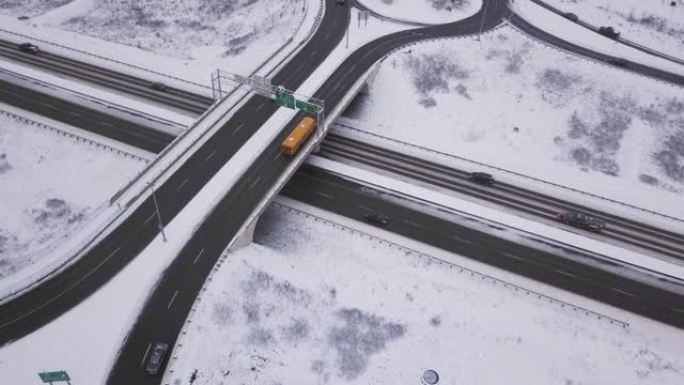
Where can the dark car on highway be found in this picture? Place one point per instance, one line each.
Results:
(159, 86)
(609, 32)
(481, 178)
(618, 62)
(571, 16)
(157, 358)
(376, 219)
(28, 47)
(582, 221)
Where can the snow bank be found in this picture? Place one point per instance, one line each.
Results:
(515, 104)
(315, 302)
(653, 23)
(52, 185)
(567, 30)
(185, 39)
(424, 11)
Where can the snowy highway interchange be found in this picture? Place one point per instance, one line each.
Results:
(155, 230)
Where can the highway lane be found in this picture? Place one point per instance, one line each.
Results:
(184, 278)
(53, 297)
(106, 78)
(91, 120)
(620, 40)
(623, 230)
(579, 274)
(538, 33)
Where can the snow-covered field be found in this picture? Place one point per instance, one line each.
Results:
(513, 103)
(50, 186)
(311, 303)
(653, 23)
(424, 11)
(188, 39)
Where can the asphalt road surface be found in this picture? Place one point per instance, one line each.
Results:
(620, 40)
(652, 72)
(106, 78)
(332, 193)
(84, 117)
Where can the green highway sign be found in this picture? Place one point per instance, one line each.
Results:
(284, 98)
(306, 106)
(50, 377)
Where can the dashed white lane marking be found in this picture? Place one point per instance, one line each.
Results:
(150, 217)
(210, 156)
(622, 292)
(260, 107)
(255, 182)
(512, 256)
(413, 224)
(172, 299)
(321, 193)
(452, 236)
(198, 256)
(235, 131)
(142, 362)
(565, 273)
(180, 186)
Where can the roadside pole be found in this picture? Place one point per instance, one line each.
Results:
(160, 224)
(484, 16)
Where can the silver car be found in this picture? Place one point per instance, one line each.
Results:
(157, 358)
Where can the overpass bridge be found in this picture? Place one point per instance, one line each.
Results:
(225, 136)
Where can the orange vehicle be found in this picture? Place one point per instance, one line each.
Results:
(298, 136)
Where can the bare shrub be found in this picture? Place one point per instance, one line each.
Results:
(360, 336)
(671, 158)
(448, 5)
(431, 74)
(4, 164)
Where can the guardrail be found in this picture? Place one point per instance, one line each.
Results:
(12, 290)
(78, 138)
(622, 40)
(452, 265)
(65, 90)
(481, 164)
(179, 138)
(82, 52)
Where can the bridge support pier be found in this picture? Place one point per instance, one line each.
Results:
(245, 238)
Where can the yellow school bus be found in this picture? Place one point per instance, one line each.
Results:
(298, 136)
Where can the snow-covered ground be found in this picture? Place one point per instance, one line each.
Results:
(186, 39)
(653, 23)
(50, 186)
(315, 303)
(513, 103)
(424, 11)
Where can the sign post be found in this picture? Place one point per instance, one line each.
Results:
(284, 98)
(50, 377)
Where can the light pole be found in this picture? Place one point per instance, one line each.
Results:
(347, 44)
(156, 208)
(484, 15)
